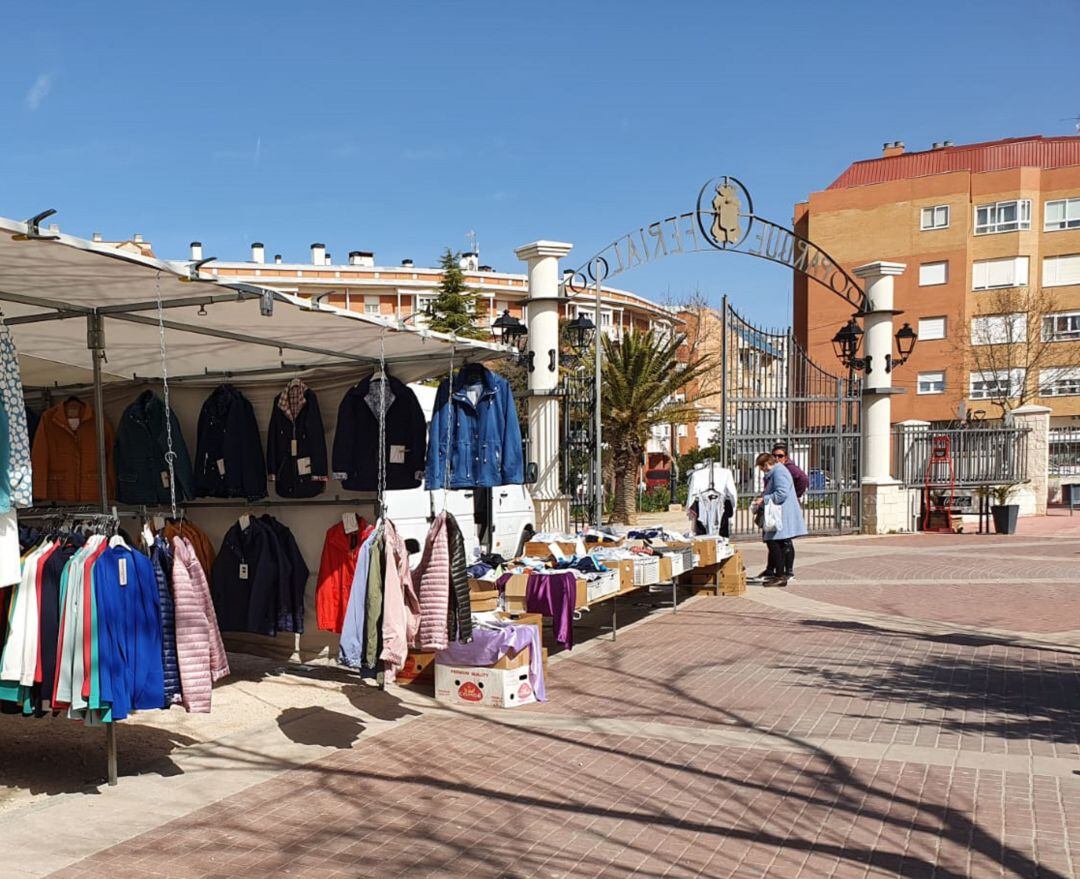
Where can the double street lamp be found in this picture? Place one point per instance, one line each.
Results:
(848, 341)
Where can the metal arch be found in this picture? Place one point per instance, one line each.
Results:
(648, 243)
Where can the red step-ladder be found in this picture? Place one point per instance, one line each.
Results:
(939, 486)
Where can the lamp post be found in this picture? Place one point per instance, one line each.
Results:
(508, 330)
(848, 341)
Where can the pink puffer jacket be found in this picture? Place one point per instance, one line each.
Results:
(432, 581)
(401, 609)
(199, 649)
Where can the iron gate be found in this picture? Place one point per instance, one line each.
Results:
(578, 448)
(773, 392)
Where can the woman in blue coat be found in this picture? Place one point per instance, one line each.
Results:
(780, 490)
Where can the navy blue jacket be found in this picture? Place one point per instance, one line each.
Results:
(161, 559)
(229, 453)
(141, 444)
(356, 440)
(478, 425)
(283, 461)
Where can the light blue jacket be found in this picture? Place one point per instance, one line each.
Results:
(476, 429)
(780, 489)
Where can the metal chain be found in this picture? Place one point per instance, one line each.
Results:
(449, 424)
(170, 454)
(382, 426)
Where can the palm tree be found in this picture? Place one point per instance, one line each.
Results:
(642, 376)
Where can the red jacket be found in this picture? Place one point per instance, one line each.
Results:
(336, 570)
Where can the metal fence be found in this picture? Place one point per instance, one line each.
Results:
(1064, 451)
(976, 456)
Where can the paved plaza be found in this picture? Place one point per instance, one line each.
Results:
(909, 706)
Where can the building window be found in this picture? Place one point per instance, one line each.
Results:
(933, 273)
(423, 301)
(931, 329)
(931, 383)
(999, 329)
(1003, 216)
(1062, 326)
(995, 384)
(1061, 271)
(371, 305)
(936, 217)
(989, 274)
(1062, 213)
(1061, 381)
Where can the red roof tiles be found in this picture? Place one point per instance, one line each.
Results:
(996, 155)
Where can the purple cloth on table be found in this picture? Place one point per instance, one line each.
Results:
(488, 646)
(554, 595)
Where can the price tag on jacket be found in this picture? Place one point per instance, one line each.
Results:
(397, 454)
(245, 521)
(303, 466)
(159, 522)
(123, 572)
(293, 448)
(221, 466)
(243, 571)
(147, 536)
(348, 520)
(164, 478)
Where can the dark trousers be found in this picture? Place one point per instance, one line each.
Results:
(781, 557)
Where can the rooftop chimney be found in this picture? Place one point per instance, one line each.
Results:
(892, 148)
(329, 261)
(196, 251)
(408, 263)
(257, 253)
(470, 261)
(318, 254)
(137, 237)
(277, 259)
(361, 258)
(948, 143)
(96, 236)
(486, 269)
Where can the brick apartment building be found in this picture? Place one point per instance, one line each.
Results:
(969, 221)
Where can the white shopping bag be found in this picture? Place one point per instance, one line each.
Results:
(774, 516)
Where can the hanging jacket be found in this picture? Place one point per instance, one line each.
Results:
(5, 460)
(354, 622)
(337, 567)
(229, 454)
(200, 542)
(432, 581)
(65, 455)
(201, 654)
(459, 619)
(356, 438)
(401, 608)
(247, 580)
(142, 474)
(296, 443)
(161, 560)
(20, 482)
(293, 578)
(475, 429)
(129, 632)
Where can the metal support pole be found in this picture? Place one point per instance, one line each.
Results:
(598, 499)
(724, 461)
(675, 594)
(614, 616)
(95, 341)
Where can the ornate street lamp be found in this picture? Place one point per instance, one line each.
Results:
(848, 341)
(580, 333)
(906, 338)
(508, 330)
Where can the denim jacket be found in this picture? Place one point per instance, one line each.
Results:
(478, 424)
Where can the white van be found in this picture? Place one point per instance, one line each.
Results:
(501, 518)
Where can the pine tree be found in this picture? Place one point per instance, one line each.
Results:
(454, 309)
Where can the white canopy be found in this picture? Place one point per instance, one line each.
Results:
(51, 283)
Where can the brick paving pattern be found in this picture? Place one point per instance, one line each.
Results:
(733, 739)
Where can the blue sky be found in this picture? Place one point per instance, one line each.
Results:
(399, 127)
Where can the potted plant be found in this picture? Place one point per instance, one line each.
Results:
(1004, 513)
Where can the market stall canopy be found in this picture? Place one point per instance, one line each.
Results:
(50, 283)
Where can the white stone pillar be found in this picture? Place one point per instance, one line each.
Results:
(884, 504)
(1038, 452)
(542, 258)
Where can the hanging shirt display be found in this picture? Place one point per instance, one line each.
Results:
(19, 479)
(356, 448)
(296, 443)
(258, 579)
(475, 432)
(229, 459)
(711, 499)
(142, 473)
(65, 454)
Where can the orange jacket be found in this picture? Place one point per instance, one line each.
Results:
(64, 456)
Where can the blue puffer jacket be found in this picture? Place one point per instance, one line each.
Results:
(479, 421)
(161, 559)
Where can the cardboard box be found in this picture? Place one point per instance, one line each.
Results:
(705, 550)
(483, 585)
(484, 687)
(483, 605)
(518, 583)
(419, 668)
(666, 569)
(603, 586)
(541, 549)
(646, 570)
